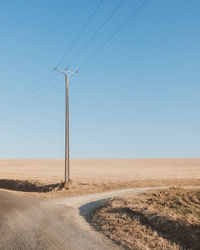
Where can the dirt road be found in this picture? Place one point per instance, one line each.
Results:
(29, 223)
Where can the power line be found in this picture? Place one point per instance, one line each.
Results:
(16, 108)
(81, 31)
(16, 104)
(13, 101)
(33, 99)
(37, 86)
(30, 89)
(114, 33)
(96, 33)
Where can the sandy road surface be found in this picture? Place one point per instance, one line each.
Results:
(28, 223)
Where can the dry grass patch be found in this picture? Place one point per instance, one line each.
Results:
(165, 219)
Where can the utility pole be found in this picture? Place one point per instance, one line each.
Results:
(66, 73)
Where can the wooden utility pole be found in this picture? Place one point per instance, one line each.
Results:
(67, 168)
(67, 73)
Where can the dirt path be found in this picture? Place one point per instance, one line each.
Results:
(28, 223)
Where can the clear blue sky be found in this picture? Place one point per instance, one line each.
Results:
(137, 98)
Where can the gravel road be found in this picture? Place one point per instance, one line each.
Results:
(30, 223)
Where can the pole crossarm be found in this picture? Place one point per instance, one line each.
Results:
(66, 71)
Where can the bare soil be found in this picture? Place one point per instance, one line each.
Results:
(163, 219)
(44, 177)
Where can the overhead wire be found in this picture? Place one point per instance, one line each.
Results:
(15, 106)
(31, 90)
(135, 12)
(96, 33)
(37, 83)
(80, 33)
(27, 102)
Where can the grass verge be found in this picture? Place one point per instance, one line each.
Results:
(164, 219)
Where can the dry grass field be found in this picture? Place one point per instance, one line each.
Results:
(96, 175)
(165, 219)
